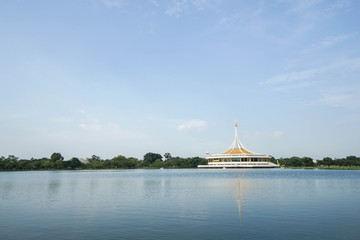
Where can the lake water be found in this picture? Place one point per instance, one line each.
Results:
(180, 204)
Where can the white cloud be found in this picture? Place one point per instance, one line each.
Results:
(192, 124)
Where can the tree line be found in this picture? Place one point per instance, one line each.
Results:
(150, 160)
(57, 162)
(349, 161)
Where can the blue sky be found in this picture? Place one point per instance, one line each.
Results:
(110, 77)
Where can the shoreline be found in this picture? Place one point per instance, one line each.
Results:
(327, 168)
(307, 168)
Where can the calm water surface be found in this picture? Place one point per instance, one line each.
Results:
(180, 204)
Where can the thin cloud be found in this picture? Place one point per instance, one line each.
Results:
(192, 124)
(331, 40)
(348, 100)
(340, 69)
(91, 126)
(335, 6)
(278, 134)
(291, 77)
(61, 120)
(304, 5)
(179, 7)
(200, 4)
(312, 10)
(113, 3)
(154, 2)
(90, 122)
(264, 135)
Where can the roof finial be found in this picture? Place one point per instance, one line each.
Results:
(235, 124)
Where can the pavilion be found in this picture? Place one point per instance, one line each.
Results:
(237, 156)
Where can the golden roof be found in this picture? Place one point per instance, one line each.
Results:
(237, 151)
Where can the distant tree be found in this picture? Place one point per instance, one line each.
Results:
(12, 158)
(56, 157)
(74, 163)
(118, 162)
(123, 162)
(327, 161)
(178, 162)
(59, 164)
(95, 162)
(167, 156)
(351, 158)
(308, 162)
(95, 158)
(152, 157)
(158, 163)
(46, 163)
(2, 163)
(295, 162)
(22, 165)
(35, 164)
(144, 164)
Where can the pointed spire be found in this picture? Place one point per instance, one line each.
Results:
(236, 147)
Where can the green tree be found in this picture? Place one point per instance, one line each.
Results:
(10, 163)
(74, 163)
(46, 163)
(95, 162)
(167, 156)
(2, 163)
(308, 162)
(56, 156)
(327, 161)
(22, 165)
(95, 158)
(12, 158)
(59, 164)
(118, 162)
(123, 162)
(35, 164)
(157, 164)
(144, 164)
(152, 157)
